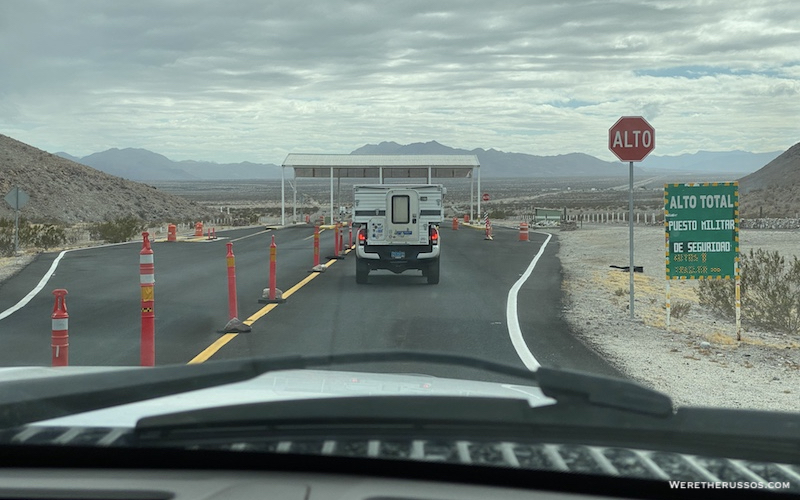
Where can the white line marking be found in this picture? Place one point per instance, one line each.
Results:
(251, 235)
(42, 282)
(514, 330)
(309, 237)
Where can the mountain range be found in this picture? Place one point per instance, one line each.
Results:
(63, 191)
(496, 163)
(144, 165)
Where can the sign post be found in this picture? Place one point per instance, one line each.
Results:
(701, 223)
(631, 138)
(17, 199)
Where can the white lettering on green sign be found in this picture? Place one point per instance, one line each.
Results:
(682, 225)
(708, 201)
(708, 246)
(681, 202)
(718, 224)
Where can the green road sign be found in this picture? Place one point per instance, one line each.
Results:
(701, 221)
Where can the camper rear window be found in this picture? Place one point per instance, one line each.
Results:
(401, 209)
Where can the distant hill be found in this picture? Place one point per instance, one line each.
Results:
(61, 190)
(496, 163)
(742, 162)
(144, 165)
(774, 190)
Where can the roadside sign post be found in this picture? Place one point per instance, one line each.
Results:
(631, 139)
(701, 223)
(17, 199)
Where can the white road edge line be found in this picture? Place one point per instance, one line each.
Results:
(42, 282)
(514, 330)
(251, 235)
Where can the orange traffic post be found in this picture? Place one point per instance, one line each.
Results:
(233, 303)
(272, 295)
(273, 261)
(213, 233)
(172, 232)
(455, 223)
(488, 229)
(316, 245)
(336, 243)
(523, 231)
(317, 268)
(341, 240)
(233, 324)
(147, 284)
(349, 235)
(59, 341)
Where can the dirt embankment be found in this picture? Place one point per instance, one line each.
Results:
(697, 360)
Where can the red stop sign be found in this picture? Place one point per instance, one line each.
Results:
(631, 138)
(485, 196)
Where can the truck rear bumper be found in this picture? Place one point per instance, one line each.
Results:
(380, 257)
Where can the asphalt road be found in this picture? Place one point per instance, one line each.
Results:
(466, 313)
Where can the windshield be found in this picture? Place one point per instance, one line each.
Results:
(608, 189)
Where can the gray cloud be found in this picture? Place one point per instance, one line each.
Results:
(253, 80)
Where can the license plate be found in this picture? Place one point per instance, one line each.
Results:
(398, 255)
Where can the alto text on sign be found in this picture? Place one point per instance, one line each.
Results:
(631, 138)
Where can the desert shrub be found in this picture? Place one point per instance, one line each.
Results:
(118, 230)
(30, 235)
(680, 309)
(49, 236)
(770, 292)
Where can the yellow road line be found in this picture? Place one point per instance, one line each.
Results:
(213, 348)
(222, 341)
(255, 317)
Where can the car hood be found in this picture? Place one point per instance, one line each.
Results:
(275, 386)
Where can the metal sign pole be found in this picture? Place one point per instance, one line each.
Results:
(16, 228)
(630, 235)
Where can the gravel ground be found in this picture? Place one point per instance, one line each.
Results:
(9, 266)
(697, 361)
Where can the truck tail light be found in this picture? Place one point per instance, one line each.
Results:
(362, 236)
(434, 236)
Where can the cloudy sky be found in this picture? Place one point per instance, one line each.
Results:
(254, 80)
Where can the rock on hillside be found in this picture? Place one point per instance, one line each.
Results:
(64, 191)
(773, 190)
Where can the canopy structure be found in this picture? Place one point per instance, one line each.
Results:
(379, 167)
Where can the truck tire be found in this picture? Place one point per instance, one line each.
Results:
(362, 271)
(433, 272)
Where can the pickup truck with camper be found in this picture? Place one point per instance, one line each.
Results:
(398, 228)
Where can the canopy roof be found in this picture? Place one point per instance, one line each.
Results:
(381, 166)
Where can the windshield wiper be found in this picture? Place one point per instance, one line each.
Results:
(25, 401)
